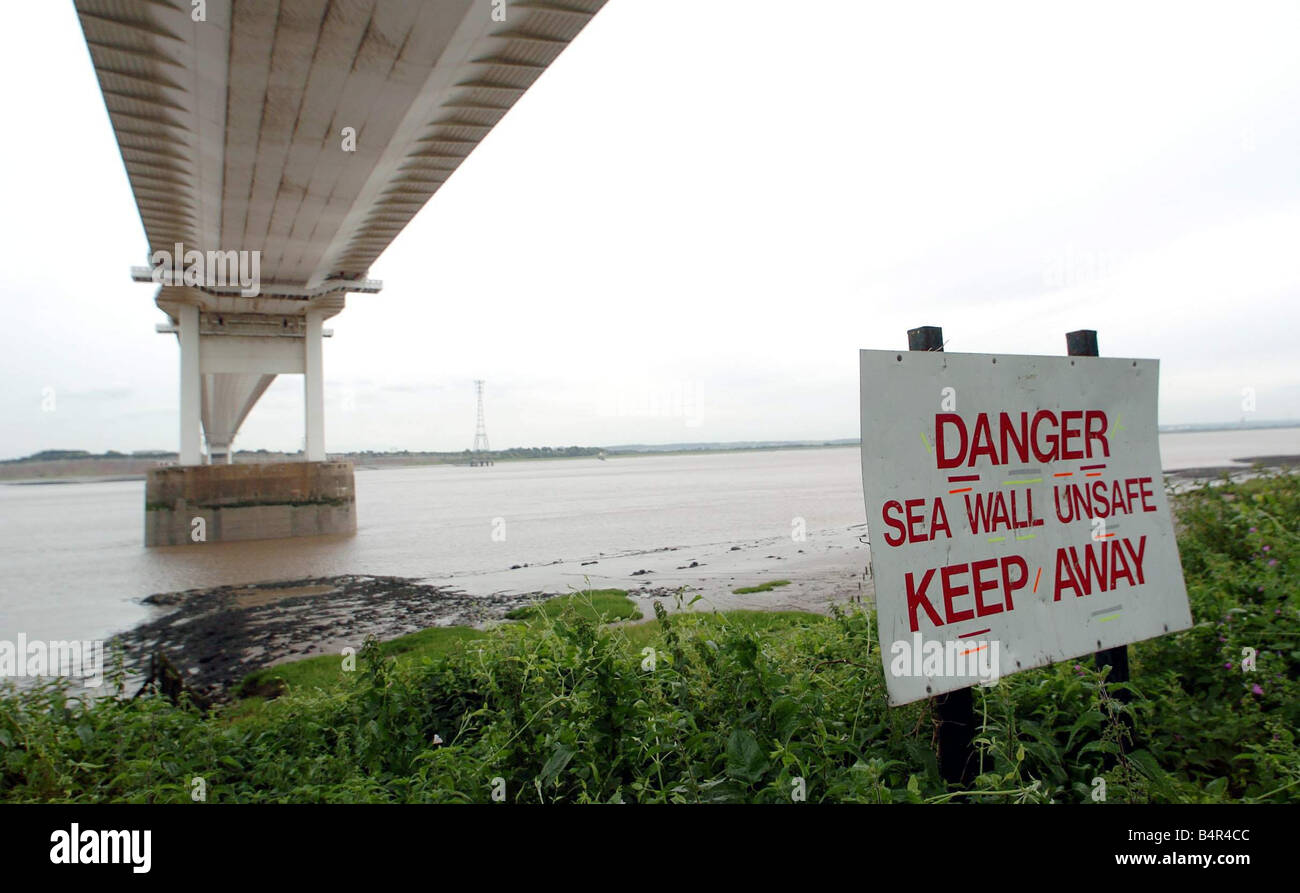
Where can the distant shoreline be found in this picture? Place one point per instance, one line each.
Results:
(76, 471)
(1250, 463)
(93, 470)
(132, 465)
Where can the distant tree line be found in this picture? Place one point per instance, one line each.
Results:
(541, 452)
(512, 453)
(56, 455)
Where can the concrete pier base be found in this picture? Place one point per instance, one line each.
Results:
(186, 504)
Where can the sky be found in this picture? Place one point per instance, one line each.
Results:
(692, 222)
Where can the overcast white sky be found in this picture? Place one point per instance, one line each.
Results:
(691, 223)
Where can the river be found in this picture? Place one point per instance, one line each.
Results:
(75, 567)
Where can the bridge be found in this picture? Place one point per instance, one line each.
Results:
(275, 148)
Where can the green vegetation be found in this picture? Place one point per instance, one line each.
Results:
(738, 706)
(594, 604)
(326, 671)
(761, 587)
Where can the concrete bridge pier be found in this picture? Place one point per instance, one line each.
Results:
(187, 333)
(231, 349)
(187, 504)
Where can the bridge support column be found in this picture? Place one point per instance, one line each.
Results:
(314, 387)
(191, 450)
(220, 454)
(252, 501)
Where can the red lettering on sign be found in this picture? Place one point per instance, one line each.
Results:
(982, 441)
(916, 599)
(954, 591)
(1068, 433)
(1145, 490)
(1014, 575)
(1099, 566)
(1019, 441)
(893, 506)
(1074, 434)
(914, 531)
(1049, 454)
(1007, 585)
(988, 512)
(1095, 425)
(982, 586)
(1099, 499)
(941, 421)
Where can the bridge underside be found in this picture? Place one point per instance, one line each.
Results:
(275, 150)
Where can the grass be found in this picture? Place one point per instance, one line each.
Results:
(327, 671)
(641, 635)
(761, 587)
(602, 605)
(739, 706)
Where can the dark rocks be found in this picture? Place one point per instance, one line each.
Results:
(224, 633)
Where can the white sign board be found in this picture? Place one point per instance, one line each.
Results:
(1016, 511)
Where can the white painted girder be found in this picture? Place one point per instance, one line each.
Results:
(227, 400)
(231, 128)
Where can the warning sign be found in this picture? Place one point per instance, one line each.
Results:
(1016, 511)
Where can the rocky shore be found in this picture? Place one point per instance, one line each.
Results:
(1248, 466)
(216, 636)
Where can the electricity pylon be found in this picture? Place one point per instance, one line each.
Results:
(481, 448)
